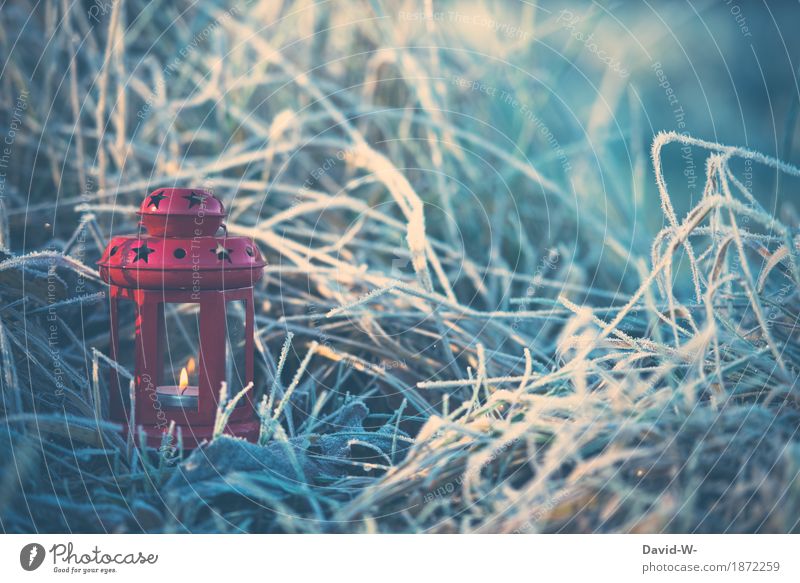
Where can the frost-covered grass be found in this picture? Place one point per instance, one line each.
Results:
(468, 322)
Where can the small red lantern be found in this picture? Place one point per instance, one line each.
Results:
(192, 296)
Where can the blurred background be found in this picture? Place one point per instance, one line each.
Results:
(106, 103)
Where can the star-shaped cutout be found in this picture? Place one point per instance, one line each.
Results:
(195, 199)
(142, 253)
(222, 253)
(156, 199)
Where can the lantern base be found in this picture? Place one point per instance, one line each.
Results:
(192, 436)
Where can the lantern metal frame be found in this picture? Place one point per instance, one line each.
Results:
(224, 271)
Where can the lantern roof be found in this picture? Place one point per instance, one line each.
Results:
(182, 248)
(182, 202)
(181, 212)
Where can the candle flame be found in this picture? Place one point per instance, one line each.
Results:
(191, 365)
(184, 382)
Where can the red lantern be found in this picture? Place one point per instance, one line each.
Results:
(191, 293)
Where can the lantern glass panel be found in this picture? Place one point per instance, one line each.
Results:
(178, 383)
(235, 343)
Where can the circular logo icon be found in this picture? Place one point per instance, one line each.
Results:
(31, 556)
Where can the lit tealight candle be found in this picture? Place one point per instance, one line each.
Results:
(182, 395)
